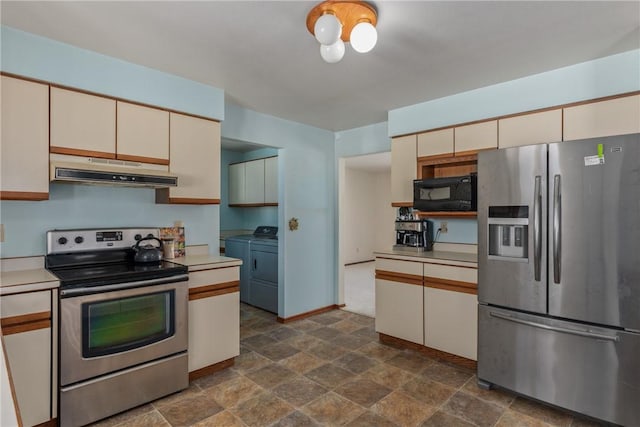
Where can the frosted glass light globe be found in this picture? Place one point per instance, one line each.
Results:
(363, 37)
(327, 29)
(332, 53)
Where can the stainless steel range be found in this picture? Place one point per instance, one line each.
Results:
(123, 325)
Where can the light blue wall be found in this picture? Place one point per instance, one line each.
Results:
(363, 140)
(41, 58)
(73, 205)
(602, 77)
(86, 206)
(306, 188)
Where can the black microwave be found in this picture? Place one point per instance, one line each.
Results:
(454, 193)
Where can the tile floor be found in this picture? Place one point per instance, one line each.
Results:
(330, 370)
(359, 288)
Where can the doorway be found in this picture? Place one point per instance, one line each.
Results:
(366, 221)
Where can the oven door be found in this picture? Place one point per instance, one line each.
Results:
(121, 326)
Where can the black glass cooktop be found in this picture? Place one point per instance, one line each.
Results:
(107, 268)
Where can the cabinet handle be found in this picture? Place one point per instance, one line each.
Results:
(255, 264)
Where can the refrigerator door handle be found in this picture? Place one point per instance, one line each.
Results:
(557, 228)
(586, 334)
(537, 228)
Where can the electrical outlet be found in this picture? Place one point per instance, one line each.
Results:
(443, 227)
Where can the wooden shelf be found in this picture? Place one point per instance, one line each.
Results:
(445, 166)
(446, 214)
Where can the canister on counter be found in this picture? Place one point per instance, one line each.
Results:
(168, 248)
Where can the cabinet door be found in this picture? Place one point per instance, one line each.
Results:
(214, 330)
(605, 118)
(194, 156)
(26, 329)
(451, 322)
(143, 134)
(24, 152)
(214, 316)
(404, 167)
(82, 124)
(536, 128)
(478, 136)
(399, 299)
(254, 181)
(236, 184)
(271, 181)
(436, 143)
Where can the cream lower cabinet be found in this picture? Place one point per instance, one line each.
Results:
(214, 318)
(27, 336)
(399, 299)
(451, 322)
(24, 151)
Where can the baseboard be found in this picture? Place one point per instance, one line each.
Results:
(308, 314)
(431, 352)
(211, 369)
(359, 262)
(51, 423)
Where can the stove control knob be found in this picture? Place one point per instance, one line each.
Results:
(137, 237)
(79, 239)
(62, 241)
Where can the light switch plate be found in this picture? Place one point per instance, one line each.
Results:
(1, 233)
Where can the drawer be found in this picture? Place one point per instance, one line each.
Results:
(399, 266)
(212, 277)
(21, 304)
(449, 272)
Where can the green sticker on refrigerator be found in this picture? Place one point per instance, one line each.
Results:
(600, 150)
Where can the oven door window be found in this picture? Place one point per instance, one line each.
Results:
(122, 324)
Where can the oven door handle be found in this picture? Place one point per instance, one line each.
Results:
(88, 290)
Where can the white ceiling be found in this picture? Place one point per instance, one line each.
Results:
(261, 54)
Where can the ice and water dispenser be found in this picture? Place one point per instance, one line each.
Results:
(508, 233)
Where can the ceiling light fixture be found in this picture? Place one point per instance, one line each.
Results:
(335, 22)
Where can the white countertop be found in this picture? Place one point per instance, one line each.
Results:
(438, 257)
(206, 262)
(19, 281)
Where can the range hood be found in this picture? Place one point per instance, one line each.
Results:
(89, 170)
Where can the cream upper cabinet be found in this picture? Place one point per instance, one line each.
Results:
(24, 152)
(254, 181)
(404, 166)
(236, 183)
(142, 134)
(451, 322)
(478, 136)
(194, 156)
(271, 180)
(604, 118)
(535, 128)
(439, 142)
(26, 329)
(82, 124)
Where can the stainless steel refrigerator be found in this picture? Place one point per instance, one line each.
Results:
(559, 274)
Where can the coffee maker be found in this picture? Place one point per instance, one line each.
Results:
(414, 234)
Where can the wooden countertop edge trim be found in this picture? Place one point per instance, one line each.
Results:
(392, 276)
